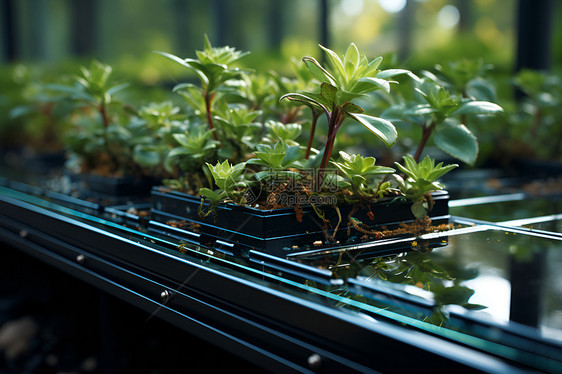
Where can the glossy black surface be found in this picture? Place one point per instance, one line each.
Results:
(492, 285)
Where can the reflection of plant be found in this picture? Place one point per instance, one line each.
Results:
(420, 182)
(350, 78)
(418, 269)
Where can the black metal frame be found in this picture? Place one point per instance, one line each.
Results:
(251, 317)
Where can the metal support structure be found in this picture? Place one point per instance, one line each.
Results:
(534, 34)
(10, 49)
(258, 321)
(84, 26)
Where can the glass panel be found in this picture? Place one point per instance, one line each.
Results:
(495, 209)
(446, 282)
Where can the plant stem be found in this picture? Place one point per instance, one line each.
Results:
(426, 134)
(105, 121)
(208, 100)
(315, 116)
(334, 124)
(536, 123)
(290, 116)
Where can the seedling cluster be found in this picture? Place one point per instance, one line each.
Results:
(239, 138)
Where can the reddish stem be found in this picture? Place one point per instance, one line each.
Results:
(290, 116)
(315, 116)
(208, 102)
(426, 134)
(333, 126)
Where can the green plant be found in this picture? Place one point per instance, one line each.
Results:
(441, 113)
(274, 163)
(539, 112)
(357, 169)
(353, 77)
(239, 128)
(163, 121)
(230, 182)
(277, 159)
(420, 182)
(195, 148)
(288, 132)
(38, 121)
(103, 131)
(213, 68)
(466, 77)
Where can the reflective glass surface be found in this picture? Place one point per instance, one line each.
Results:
(499, 263)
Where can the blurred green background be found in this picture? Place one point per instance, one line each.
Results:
(44, 40)
(124, 33)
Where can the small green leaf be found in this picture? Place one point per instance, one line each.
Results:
(210, 194)
(419, 209)
(351, 60)
(307, 99)
(120, 87)
(336, 61)
(392, 73)
(352, 108)
(479, 107)
(293, 154)
(366, 84)
(373, 65)
(382, 128)
(329, 92)
(456, 141)
(318, 71)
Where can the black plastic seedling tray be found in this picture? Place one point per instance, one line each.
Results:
(276, 230)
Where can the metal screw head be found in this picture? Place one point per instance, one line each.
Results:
(314, 361)
(165, 296)
(80, 259)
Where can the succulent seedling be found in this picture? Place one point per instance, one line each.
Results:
(352, 77)
(421, 180)
(213, 68)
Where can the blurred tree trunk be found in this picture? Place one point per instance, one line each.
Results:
(534, 34)
(84, 30)
(180, 9)
(276, 22)
(221, 25)
(38, 29)
(406, 20)
(10, 49)
(465, 15)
